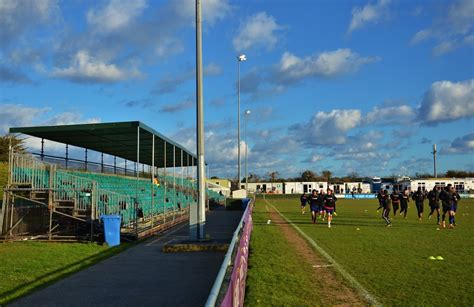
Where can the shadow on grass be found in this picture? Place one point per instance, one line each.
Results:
(63, 272)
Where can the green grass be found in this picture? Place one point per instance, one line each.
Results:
(276, 275)
(28, 266)
(391, 263)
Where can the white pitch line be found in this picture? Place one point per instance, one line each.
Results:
(322, 265)
(366, 294)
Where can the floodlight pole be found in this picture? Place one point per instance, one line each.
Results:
(247, 113)
(238, 124)
(197, 217)
(240, 58)
(434, 161)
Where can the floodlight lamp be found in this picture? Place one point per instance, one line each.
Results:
(247, 112)
(242, 58)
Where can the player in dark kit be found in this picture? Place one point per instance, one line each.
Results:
(313, 203)
(379, 197)
(329, 205)
(404, 199)
(419, 198)
(385, 202)
(445, 197)
(433, 199)
(321, 205)
(395, 197)
(455, 197)
(304, 201)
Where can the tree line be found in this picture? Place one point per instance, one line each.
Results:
(273, 176)
(327, 176)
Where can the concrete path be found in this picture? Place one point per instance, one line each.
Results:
(143, 275)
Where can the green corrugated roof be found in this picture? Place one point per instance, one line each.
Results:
(117, 139)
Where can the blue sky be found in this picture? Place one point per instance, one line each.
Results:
(364, 86)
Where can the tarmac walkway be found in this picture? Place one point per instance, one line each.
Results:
(143, 275)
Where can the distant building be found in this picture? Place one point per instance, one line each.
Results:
(357, 187)
(304, 187)
(266, 187)
(462, 185)
(222, 182)
(220, 186)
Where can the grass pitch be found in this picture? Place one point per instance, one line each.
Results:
(391, 263)
(27, 266)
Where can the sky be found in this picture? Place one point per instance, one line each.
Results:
(346, 86)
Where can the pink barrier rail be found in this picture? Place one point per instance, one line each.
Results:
(236, 292)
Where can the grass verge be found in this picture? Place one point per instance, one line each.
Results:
(277, 274)
(29, 266)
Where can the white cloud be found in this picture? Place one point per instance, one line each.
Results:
(460, 145)
(17, 17)
(452, 29)
(212, 10)
(326, 64)
(447, 101)
(168, 46)
(314, 158)
(370, 13)
(87, 69)
(443, 47)
(257, 31)
(116, 14)
(391, 115)
(70, 118)
(17, 115)
(328, 128)
(421, 36)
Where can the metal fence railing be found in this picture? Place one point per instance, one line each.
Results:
(26, 170)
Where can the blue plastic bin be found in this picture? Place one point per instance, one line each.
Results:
(111, 229)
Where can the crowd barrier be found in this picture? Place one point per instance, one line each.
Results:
(235, 293)
(357, 196)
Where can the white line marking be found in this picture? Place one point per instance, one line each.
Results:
(166, 235)
(322, 265)
(366, 294)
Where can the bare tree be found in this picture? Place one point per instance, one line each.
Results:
(272, 175)
(308, 176)
(327, 175)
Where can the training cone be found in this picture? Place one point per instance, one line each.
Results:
(439, 258)
(431, 258)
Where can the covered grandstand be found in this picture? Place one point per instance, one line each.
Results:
(53, 197)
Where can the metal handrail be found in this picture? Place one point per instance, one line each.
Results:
(216, 287)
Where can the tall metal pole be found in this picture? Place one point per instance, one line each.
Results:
(197, 215)
(238, 123)
(246, 145)
(434, 161)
